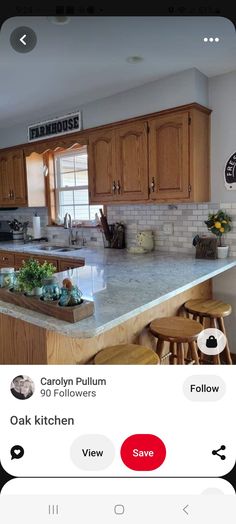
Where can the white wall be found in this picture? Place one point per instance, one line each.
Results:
(175, 90)
(222, 101)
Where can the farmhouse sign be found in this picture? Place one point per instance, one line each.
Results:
(55, 127)
(230, 173)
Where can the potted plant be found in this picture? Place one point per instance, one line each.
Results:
(32, 274)
(18, 229)
(219, 223)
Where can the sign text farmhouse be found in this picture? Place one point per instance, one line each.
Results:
(55, 127)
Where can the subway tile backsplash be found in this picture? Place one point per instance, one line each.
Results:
(187, 220)
(24, 214)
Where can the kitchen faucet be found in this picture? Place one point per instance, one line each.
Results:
(68, 225)
(72, 240)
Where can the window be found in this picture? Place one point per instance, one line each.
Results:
(72, 195)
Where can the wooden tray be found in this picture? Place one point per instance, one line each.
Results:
(52, 309)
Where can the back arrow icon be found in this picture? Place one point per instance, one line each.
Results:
(185, 509)
(22, 39)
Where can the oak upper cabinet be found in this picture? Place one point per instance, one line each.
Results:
(118, 169)
(12, 178)
(131, 162)
(5, 192)
(18, 172)
(179, 156)
(22, 181)
(169, 157)
(101, 166)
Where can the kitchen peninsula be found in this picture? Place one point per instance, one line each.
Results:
(129, 291)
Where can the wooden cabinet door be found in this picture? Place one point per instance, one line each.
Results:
(12, 178)
(64, 265)
(131, 162)
(5, 179)
(43, 259)
(18, 177)
(20, 258)
(169, 157)
(7, 259)
(101, 166)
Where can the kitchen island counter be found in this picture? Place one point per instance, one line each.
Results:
(128, 292)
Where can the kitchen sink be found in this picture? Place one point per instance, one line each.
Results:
(72, 248)
(58, 248)
(49, 248)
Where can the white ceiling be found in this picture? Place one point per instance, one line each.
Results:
(85, 59)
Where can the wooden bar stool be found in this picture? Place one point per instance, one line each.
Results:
(177, 331)
(215, 311)
(126, 354)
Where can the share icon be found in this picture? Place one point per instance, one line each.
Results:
(216, 452)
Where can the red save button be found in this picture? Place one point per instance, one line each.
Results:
(143, 452)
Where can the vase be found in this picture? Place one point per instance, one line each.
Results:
(222, 251)
(6, 277)
(18, 236)
(38, 291)
(51, 290)
(29, 292)
(70, 297)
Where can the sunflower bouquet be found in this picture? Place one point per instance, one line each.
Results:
(219, 223)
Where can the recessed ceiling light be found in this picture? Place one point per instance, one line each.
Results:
(59, 20)
(134, 59)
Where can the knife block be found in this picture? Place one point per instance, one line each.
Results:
(206, 247)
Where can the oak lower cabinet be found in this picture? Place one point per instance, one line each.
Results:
(18, 260)
(11, 259)
(64, 265)
(7, 259)
(117, 163)
(22, 181)
(179, 156)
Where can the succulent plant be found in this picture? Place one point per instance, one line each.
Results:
(32, 273)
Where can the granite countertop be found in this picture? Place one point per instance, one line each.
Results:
(123, 285)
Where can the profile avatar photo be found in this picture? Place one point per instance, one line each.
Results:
(22, 387)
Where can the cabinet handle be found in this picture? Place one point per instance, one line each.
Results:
(9, 195)
(113, 187)
(118, 187)
(153, 185)
(13, 194)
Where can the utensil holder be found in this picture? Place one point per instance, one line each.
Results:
(117, 240)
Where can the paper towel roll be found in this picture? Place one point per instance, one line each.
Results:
(36, 227)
